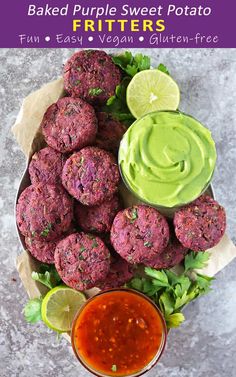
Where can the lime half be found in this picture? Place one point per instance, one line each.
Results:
(152, 90)
(60, 306)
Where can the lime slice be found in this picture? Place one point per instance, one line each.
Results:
(60, 306)
(152, 90)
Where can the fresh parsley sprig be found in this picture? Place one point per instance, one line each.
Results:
(47, 276)
(132, 64)
(171, 292)
(163, 68)
(117, 106)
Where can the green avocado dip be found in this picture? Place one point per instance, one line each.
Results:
(167, 158)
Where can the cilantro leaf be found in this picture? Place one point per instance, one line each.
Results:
(131, 70)
(172, 277)
(126, 118)
(111, 100)
(46, 231)
(142, 62)
(149, 288)
(48, 277)
(114, 368)
(166, 303)
(136, 283)
(159, 276)
(181, 301)
(94, 244)
(123, 60)
(132, 64)
(117, 106)
(143, 285)
(148, 244)
(183, 284)
(42, 278)
(134, 215)
(195, 260)
(95, 91)
(204, 282)
(174, 320)
(32, 310)
(163, 68)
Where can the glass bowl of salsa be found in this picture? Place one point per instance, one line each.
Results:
(119, 332)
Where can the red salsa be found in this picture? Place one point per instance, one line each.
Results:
(118, 333)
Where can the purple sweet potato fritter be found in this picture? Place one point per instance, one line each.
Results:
(82, 260)
(69, 124)
(23, 203)
(91, 176)
(46, 166)
(201, 224)
(172, 255)
(97, 218)
(41, 250)
(48, 213)
(139, 233)
(120, 273)
(110, 132)
(91, 75)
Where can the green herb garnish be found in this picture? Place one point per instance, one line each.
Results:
(163, 68)
(47, 275)
(32, 310)
(132, 215)
(195, 260)
(114, 368)
(117, 106)
(132, 64)
(46, 231)
(148, 244)
(94, 244)
(171, 292)
(95, 91)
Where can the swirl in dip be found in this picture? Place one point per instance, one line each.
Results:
(167, 158)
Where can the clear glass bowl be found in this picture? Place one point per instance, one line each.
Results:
(130, 198)
(167, 211)
(146, 367)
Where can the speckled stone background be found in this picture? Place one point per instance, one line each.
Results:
(205, 345)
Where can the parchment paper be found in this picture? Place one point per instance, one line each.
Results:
(28, 135)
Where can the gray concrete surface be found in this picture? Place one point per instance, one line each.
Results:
(204, 346)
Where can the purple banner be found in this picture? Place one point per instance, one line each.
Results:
(118, 23)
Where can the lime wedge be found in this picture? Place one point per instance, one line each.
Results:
(152, 90)
(60, 306)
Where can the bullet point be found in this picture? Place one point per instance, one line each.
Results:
(47, 39)
(90, 39)
(141, 39)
